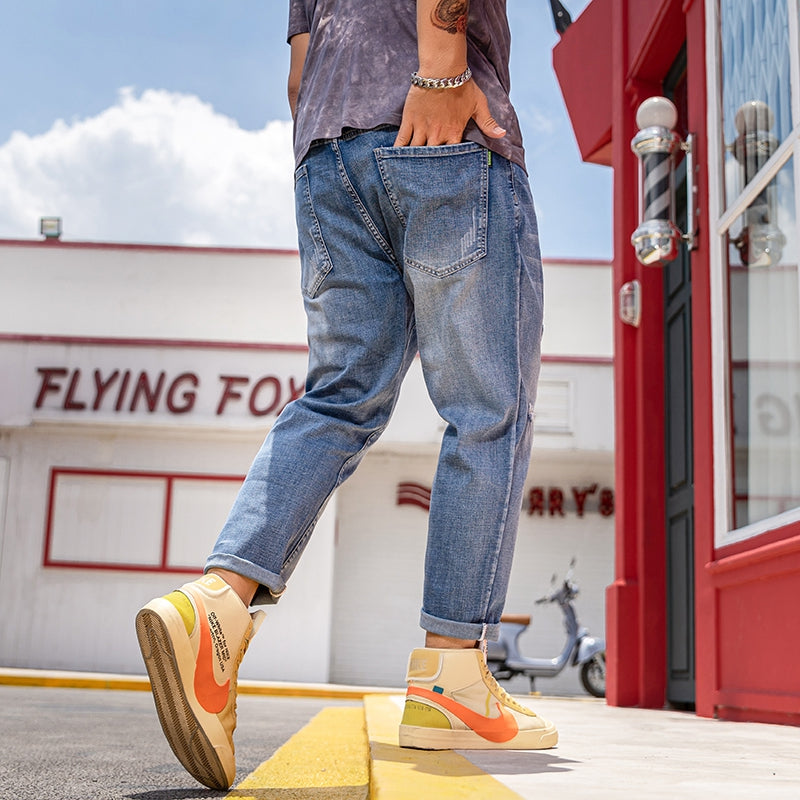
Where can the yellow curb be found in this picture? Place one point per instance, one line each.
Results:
(402, 774)
(328, 759)
(72, 680)
(90, 680)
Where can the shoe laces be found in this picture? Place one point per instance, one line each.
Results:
(500, 693)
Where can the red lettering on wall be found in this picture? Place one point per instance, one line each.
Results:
(295, 391)
(123, 387)
(580, 494)
(48, 385)
(266, 396)
(228, 392)
(102, 386)
(70, 403)
(125, 390)
(607, 502)
(555, 502)
(150, 393)
(188, 396)
(536, 501)
(275, 384)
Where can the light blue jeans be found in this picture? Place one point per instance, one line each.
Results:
(429, 249)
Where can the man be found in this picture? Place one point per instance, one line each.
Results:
(416, 233)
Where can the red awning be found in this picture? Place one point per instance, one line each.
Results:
(582, 62)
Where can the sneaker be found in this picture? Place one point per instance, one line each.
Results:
(192, 641)
(454, 703)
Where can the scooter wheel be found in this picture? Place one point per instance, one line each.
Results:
(593, 675)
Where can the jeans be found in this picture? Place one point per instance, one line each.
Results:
(429, 249)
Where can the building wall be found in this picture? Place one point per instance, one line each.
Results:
(113, 488)
(740, 576)
(378, 567)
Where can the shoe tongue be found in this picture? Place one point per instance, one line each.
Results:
(212, 582)
(258, 618)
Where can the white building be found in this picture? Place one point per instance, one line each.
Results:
(138, 383)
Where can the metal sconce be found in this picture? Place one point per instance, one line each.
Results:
(630, 303)
(760, 242)
(657, 238)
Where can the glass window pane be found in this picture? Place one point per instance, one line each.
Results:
(756, 88)
(765, 353)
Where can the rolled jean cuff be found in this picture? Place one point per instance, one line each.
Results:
(459, 630)
(270, 585)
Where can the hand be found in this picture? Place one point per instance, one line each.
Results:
(439, 116)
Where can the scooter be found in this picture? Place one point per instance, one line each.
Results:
(580, 650)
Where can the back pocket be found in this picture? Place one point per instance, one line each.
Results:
(441, 195)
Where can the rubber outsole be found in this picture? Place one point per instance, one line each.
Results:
(420, 738)
(178, 721)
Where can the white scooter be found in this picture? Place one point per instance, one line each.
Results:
(580, 650)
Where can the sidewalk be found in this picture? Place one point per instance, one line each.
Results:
(606, 752)
(603, 752)
(349, 752)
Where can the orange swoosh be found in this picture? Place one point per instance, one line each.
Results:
(209, 693)
(497, 729)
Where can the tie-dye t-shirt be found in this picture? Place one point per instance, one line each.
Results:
(360, 58)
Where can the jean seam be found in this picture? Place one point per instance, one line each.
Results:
(518, 435)
(320, 248)
(360, 207)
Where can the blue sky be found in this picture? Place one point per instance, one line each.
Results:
(166, 121)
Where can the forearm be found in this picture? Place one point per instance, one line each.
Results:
(442, 37)
(299, 48)
(434, 115)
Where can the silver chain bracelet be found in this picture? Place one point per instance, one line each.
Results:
(441, 83)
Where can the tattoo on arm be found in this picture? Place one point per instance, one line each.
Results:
(451, 15)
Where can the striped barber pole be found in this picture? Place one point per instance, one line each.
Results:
(657, 200)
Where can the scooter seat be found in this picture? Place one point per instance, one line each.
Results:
(516, 619)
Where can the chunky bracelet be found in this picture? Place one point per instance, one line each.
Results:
(441, 83)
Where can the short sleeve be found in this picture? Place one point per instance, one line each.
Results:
(298, 18)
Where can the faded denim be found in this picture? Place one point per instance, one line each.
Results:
(429, 249)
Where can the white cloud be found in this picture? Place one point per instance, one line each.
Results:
(161, 167)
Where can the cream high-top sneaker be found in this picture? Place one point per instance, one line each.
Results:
(454, 703)
(192, 641)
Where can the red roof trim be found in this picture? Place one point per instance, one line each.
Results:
(201, 344)
(168, 248)
(111, 341)
(182, 248)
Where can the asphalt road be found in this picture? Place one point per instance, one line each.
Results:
(75, 744)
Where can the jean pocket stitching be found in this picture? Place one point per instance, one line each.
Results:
(320, 261)
(475, 171)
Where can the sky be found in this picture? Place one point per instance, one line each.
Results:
(166, 121)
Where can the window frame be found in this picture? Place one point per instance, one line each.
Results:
(721, 219)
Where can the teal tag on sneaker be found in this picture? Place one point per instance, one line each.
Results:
(438, 689)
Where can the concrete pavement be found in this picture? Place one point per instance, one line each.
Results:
(606, 752)
(350, 752)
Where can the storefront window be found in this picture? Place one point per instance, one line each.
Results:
(761, 253)
(765, 353)
(756, 86)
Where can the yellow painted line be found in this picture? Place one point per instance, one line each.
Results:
(399, 773)
(84, 680)
(323, 690)
(326, 760)
(65, 680)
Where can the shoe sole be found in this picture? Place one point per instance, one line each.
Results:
(421, 738)
(180, 724)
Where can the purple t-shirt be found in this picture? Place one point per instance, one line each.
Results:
(360, 58)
